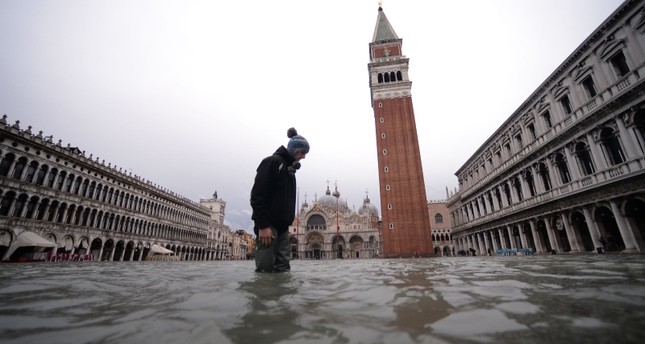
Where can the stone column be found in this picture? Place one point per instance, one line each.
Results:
(514, 196)
(488, 203)
(491, 233)
(594, 232)
(573, 238)
(625, 232)
(486, 245)
(524, 184)
(626, 139)
(511, 239)
(496, 205)
(555, 182)
(523, 240)
(503, 194)
(539, 246)
(553, 240)
(596, 153)
(502, 242)
(573, 167)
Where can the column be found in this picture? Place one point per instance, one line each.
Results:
(538, 241)
(573, 167)
(628, 143)
(573, 239)
(553, 240)
(555, 182)
(482, 208)
(482, 243)
(525, 243)
(524, 185)
(514, 196)
(487, 202)
(503, 194)
(492, 240)
(592, 226)
(511, 239)
(502, 242)
(625, 232)
(596, 153)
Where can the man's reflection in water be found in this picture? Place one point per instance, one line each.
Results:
(270, 317)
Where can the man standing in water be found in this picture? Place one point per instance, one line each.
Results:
(273, 199)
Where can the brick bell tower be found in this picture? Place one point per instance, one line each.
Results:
(406, 224)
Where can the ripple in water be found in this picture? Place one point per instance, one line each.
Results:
(532, 299)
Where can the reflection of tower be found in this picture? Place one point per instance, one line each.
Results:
(406, 224)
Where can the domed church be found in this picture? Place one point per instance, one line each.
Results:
(329, 229)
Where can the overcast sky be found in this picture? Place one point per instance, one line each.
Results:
(191, 95)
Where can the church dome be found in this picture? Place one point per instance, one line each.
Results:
(368, 208)
(329, 201)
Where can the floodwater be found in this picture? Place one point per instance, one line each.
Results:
(511, 299)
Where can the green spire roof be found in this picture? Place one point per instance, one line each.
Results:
(383, 30)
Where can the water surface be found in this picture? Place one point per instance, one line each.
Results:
(527, 299)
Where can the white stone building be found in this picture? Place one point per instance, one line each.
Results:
(565, 172)
(329, 229)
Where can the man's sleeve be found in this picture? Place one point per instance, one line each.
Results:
(264, 179)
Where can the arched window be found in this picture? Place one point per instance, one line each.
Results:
(563, 168)
(31, 171)
(5, 164)
(639, 123)
(611, 143)
(438, 218)
(543, 171)
(529, 180)
(40, 176)
(20, 166)
(518, 188)
(316, 222)
(584, 158)
(399, 76)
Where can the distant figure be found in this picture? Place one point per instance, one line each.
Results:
(273, 199)
(603, 242)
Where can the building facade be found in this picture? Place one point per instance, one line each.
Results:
(406, 227)
(565, 172)
(441, 224)
(87, 208)
(329, 229)
(220, 239)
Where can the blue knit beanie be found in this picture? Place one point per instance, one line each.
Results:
(296, 142)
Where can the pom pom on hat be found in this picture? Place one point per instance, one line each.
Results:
(296, 142)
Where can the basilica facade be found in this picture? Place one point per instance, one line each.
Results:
(54, 197)
(566, 171)
(329, 229)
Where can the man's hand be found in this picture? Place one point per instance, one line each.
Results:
(266, 236)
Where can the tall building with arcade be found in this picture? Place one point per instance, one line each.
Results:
(406, 225)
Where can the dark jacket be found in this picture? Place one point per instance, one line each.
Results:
(273, 197)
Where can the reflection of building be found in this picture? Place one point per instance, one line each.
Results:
(565, 172)
(328, 229)
(87, 207)
(406, 227)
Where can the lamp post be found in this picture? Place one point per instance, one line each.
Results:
(337, 195)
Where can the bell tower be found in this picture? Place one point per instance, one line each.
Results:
(404, 206)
